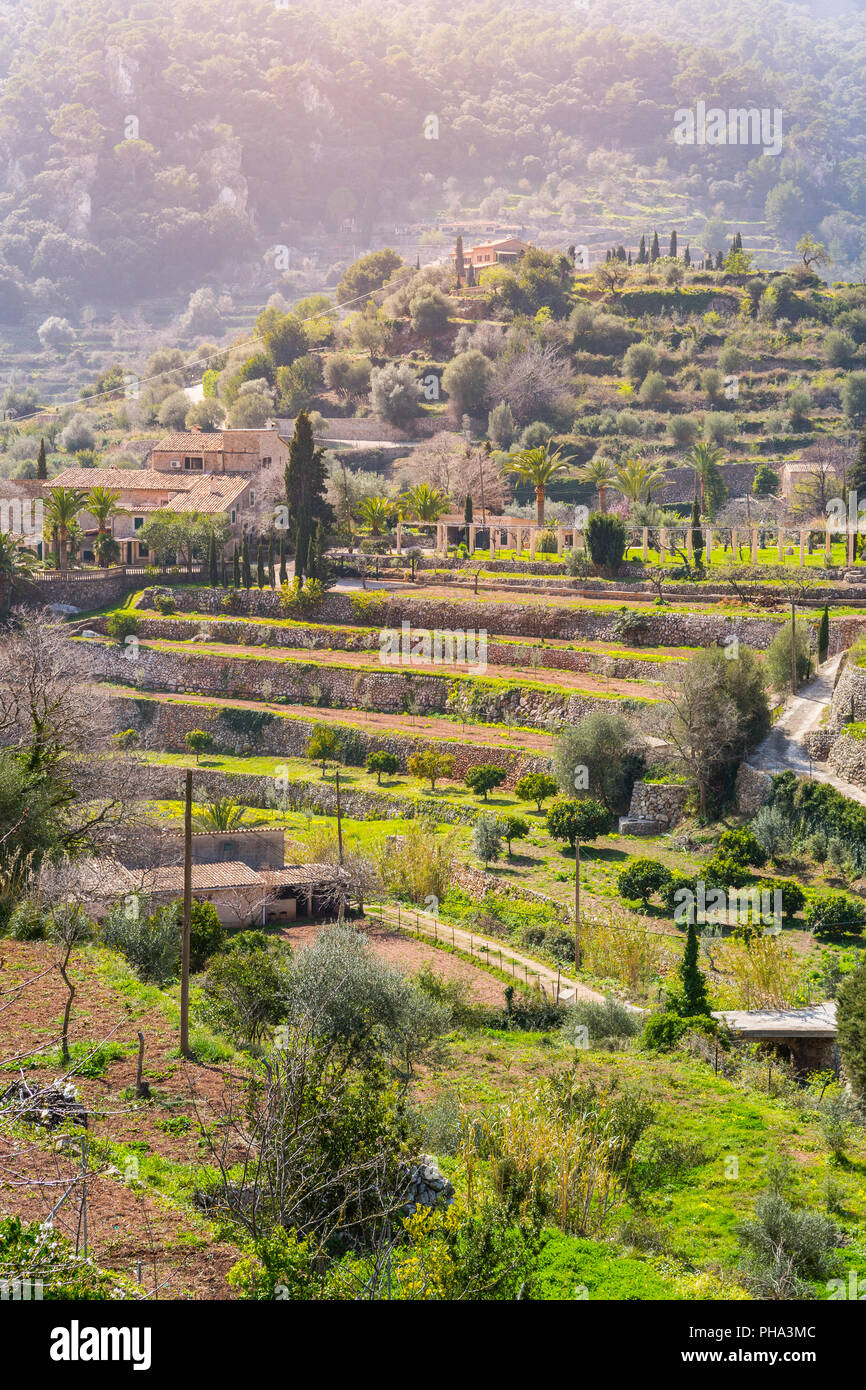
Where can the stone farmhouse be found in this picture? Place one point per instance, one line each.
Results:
(196, 471)
(506, 250)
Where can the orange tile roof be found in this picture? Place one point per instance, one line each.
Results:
(212, 492)
(124, 478)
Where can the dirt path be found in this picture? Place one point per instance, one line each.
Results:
(437, 730)
(566, 680)
(487, 948)
(784, 749)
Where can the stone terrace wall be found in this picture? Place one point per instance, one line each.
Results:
(664, 628)
(847, 758)
(661, 802)
(391, 691)
(162, 725)
(535, 658)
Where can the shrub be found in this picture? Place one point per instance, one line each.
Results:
(677, 884)
(722, 871)
(640, 879)
(742, 846)
(773, 831)
(122, 625)
(793, 897)
(785, 1246)
(487, 839)
(779, 656)
(150, 944)
(206, 932)
(28, 921)
(512, 828)
(852, 1025)
(608, 1020)
(430, 765)
(831, 915)
(246, 993)
(662, 1032)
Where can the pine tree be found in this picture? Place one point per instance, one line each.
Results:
(654, 249)
(823, 636)
(694, 983)
(41, 462)
(284, 574)
(212, 565)
(236, 568)
(673, 247)
(260, 563)
(697, 533)
(246, 575)
(272, 574)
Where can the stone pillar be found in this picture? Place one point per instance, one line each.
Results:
(690, 552)
(754, 545)
(560, 539)
(533, 537)
(803, 535)
(472, 533)
(781, 540)
(645, 544)
(827, 540)
(708, 546)
(734, 542)
(850, 543)
(663, 544)
(399, 538)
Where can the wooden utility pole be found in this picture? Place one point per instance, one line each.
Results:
(339, 820)
(187, 915)
(576, 905)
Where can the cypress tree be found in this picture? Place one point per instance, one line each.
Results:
(687, 255)
(470, 275)
(246, 575)
(673, 248)
(694, 983)
(236, 568)
(272, 573)
(306, 483)
(697, 533)
(629, 257)
(213, 567)
(317, 565)
(41, 462)
(824, 635)
(260, 564)
(467, 513)
(284, 576)
(654, 249)
(857, 476)
(225, 573)
(720, 261)
(459, 264)
(641, 252)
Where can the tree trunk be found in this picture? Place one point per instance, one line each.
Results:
(62, 538)
(539, 506)
(602, 499)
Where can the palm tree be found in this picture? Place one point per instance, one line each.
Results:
(601, 472)
(377, 512)
(63, 507)
(16, 562)
(222, 814)
(102, 505)
(635, 478)
(703, 459)
(423, 502)
(537, 466)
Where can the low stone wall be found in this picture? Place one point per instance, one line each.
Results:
(818, 744)
(162, 726)
(162, 782)
(397, 691)
(849, 697)
(659, 802)
(847, 758)
(381, 609)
